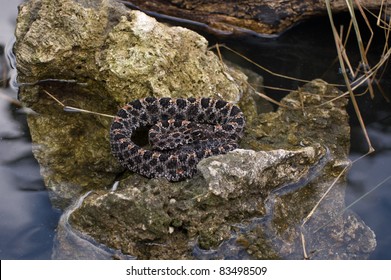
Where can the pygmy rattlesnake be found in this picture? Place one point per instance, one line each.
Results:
(183, 131)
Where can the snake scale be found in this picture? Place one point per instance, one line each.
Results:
(182, 132)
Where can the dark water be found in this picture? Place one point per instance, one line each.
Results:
(308, 52)
(28, 222)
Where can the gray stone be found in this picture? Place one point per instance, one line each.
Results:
(174, 214)
(276, 203)
(97, 56)
(225, 175)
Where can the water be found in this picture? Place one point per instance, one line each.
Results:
(28, 222)
(308, 52)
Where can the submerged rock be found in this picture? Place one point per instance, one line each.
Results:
(69, 241)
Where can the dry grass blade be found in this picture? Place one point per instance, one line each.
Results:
(346, 78)
(369, 43)
(343, 48)
(356, 201)
(217, 46)
(368, 77)
(10, 99)
(364, 60)
(74, 109)
(380, 22)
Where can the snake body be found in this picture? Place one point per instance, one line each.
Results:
(183, 131)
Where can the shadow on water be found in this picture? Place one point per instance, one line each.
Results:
(28, 222)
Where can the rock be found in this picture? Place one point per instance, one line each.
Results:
(276, 203)
(97, 56)
(144, 211)
(68, 242)
(226, 174)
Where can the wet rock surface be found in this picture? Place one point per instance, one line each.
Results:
(280, 196)
(154, 212)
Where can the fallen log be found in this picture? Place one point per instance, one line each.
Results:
(246, 16)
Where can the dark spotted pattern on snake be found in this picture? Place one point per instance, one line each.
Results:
(183, 131)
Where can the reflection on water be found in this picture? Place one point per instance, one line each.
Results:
(375, 208)
(27, 220)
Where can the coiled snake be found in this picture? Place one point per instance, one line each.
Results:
(183, 131)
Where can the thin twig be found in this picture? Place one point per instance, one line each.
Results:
(354, 202)
(74, 109)
(266, 69)
(10, 99)
(364, 59)
(347, 82)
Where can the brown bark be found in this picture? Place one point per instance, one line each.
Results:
(238, 17)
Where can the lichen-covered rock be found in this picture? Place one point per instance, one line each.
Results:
(97, 56)
(227, 174)
(278, 203)
(68, 242)
(143, 211)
